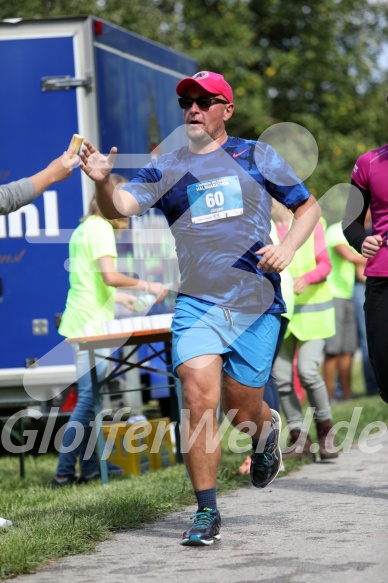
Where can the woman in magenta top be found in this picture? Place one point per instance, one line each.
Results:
(370, 179)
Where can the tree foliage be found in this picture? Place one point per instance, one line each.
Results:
(316, 63)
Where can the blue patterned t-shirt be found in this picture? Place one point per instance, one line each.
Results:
(218, 206)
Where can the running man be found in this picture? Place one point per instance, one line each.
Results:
(216, 194)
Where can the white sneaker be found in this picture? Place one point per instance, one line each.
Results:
(4, 522)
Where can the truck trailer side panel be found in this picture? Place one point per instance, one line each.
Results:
(121, 91)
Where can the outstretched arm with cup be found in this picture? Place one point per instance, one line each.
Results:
(21, 192)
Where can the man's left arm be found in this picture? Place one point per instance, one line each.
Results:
(275, 258)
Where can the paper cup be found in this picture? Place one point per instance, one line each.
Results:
(113, 327)
(104, 328)
(126, 325)
(169, 319)
(153, 321)
(136, 323)
(89, 329)
(158, 321)
(166, 320)
(146, 323)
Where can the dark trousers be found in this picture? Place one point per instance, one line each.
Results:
(376, 319)
(271, 396)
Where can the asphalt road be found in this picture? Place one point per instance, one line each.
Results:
(327, 522)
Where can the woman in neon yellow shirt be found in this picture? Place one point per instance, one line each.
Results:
(91, 297)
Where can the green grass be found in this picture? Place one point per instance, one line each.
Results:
(52, 523)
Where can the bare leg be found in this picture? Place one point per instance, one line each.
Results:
(249, 404)
(345, 373)
(201, 389)
(330, 365)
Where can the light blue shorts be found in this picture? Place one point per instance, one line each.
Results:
(246, 343)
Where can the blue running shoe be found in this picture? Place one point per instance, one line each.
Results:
(265, 466)
(205, 530)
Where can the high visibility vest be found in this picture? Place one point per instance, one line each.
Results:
(314, 315)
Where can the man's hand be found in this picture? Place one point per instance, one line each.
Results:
(96, 165)
(275, 258)
(371, 245)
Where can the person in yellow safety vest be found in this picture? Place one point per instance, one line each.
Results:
(313, 321)
(271, 396)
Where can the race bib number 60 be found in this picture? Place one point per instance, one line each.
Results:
(215, 199)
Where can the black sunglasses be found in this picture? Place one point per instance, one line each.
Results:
(203, 102)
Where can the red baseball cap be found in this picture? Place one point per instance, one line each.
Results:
(212, 83)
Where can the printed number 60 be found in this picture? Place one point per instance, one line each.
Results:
(216, 199)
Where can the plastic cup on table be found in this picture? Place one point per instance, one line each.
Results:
(113, 327)
(158, 322)
(136, 323)
(153, 321)
(94, 328)
(104, 328)
(126, 325)
(88, 329)
(169, 320)
(146, 323)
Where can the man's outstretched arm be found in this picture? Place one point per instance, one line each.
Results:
(112, 201)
